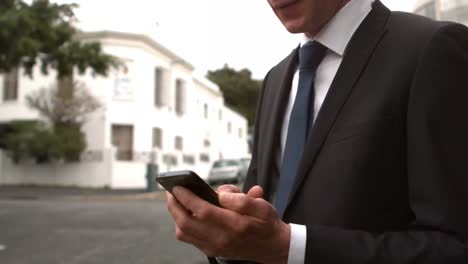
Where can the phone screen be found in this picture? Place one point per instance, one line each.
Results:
(191, 181)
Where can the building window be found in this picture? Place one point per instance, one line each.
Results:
(157, 137)
(170, 160)
(188, 159)
(206, 143)
(10, 85)
(229, 127)
(122, 139)
(204, 157)
(205, 111)
(220, 114)
(179, 143)
(180, 96)
(240, 132)
(161, 91)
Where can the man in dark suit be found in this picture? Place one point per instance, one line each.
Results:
(382, 173)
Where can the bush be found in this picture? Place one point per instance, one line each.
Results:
(33, 139)
(43, 146)
(16, 138)
(71, 142)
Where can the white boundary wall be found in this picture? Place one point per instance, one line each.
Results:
(128, 175)
(90, 174)
(99, 173)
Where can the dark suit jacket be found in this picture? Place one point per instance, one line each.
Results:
(384, 174)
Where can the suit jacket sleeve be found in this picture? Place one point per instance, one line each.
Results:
(251, 179)
(437, 169)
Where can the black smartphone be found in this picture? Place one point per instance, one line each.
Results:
(189, 180)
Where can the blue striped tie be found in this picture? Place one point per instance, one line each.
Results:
(310, 56)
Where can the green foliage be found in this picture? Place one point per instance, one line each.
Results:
(43, 32)
(239, 89)
(17, 137)
(33, 139)
(63, 139)
(43, 146)
(71, 142)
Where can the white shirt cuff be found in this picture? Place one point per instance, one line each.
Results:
(297, 244)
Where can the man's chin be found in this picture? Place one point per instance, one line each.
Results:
(300, 27)
(294, 29)
(294, 25)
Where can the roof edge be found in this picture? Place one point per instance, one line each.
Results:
(103, 34)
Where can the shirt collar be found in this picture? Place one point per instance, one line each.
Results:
(336, 34)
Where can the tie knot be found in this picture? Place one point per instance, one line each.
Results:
(310, 55)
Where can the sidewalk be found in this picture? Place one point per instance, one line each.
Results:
(72, 193)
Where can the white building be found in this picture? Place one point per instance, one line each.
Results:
(450, 10)
(155, 108)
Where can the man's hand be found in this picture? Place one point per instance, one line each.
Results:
(247, 227)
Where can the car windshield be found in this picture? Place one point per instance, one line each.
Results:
(225, 163)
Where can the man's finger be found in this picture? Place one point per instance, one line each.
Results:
(200, 208)
(228, 188)
(176, 210)
(245, 205)
(188, 199)
(189, 239)
(255, 192)
(189, 228)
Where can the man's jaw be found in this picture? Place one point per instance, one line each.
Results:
(279, 4)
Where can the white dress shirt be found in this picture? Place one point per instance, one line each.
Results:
(335, 36)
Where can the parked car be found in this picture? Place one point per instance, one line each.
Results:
(226, 171)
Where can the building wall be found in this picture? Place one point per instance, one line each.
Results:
(205, 138)
(18, 109)
(128, 175)
(454, 10)
(234, 143)
(141, 112)
(447, 10)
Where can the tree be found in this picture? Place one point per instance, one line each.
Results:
(61, 111)
(62, 138)
(42, 33)
(239, 89)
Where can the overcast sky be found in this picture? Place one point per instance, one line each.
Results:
(207, 33)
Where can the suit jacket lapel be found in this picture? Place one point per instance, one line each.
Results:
(358, 52)
(279, 89)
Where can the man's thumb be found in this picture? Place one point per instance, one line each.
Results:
(255, 192)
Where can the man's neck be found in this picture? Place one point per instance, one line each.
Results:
(338, 8)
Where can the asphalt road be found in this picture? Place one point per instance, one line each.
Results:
(91, 230)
